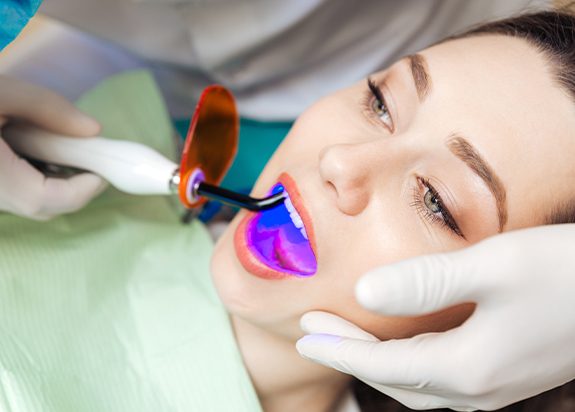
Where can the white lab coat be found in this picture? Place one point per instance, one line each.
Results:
(277, 56)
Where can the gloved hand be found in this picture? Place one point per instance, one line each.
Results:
(24, 190)
(519, 342)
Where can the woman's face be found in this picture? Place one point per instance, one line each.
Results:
(447, 147)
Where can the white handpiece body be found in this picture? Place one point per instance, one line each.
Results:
(130, 167)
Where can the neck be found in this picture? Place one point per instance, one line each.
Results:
(284, 381)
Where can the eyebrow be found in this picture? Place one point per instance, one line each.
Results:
(420, 74)
(461, 148)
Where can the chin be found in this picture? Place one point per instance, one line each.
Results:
(265, 303)
(225, 272)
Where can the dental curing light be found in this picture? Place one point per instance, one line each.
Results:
(209, 149)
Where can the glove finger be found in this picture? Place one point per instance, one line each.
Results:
(318, 322)
(44, 108)
(416, 362)
(414, 397)
(421, 285)
(68, 195)
(27, 192)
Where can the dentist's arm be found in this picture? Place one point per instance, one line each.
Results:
(24, 190)
(519, 342)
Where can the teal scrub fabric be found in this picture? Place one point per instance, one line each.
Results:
(14, 15)
(112, 308)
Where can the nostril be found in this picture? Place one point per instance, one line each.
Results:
(331, 188)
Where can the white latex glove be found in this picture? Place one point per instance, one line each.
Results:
(23, 189)
(519, 342)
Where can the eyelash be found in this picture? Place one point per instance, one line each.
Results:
(373, 96)
(445, 219)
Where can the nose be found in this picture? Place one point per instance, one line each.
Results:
(348, 170)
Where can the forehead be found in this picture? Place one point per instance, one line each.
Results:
(499, 92)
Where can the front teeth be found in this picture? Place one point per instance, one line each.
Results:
(295, 217)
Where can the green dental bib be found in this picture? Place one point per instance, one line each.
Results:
(112, 308)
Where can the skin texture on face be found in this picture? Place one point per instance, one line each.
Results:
(364, 177)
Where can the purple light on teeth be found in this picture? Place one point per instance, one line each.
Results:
(278, 239)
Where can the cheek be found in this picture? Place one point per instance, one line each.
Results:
(329, 121)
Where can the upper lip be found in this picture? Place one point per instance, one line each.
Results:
(291, 188)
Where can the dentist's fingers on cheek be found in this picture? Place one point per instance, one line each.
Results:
(419, 285)
(318, 322)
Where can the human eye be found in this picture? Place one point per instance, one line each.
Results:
(429, 204)
(376, 106)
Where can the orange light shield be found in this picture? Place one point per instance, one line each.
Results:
(211, 143)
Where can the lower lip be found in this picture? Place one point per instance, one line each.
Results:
(246, 256)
